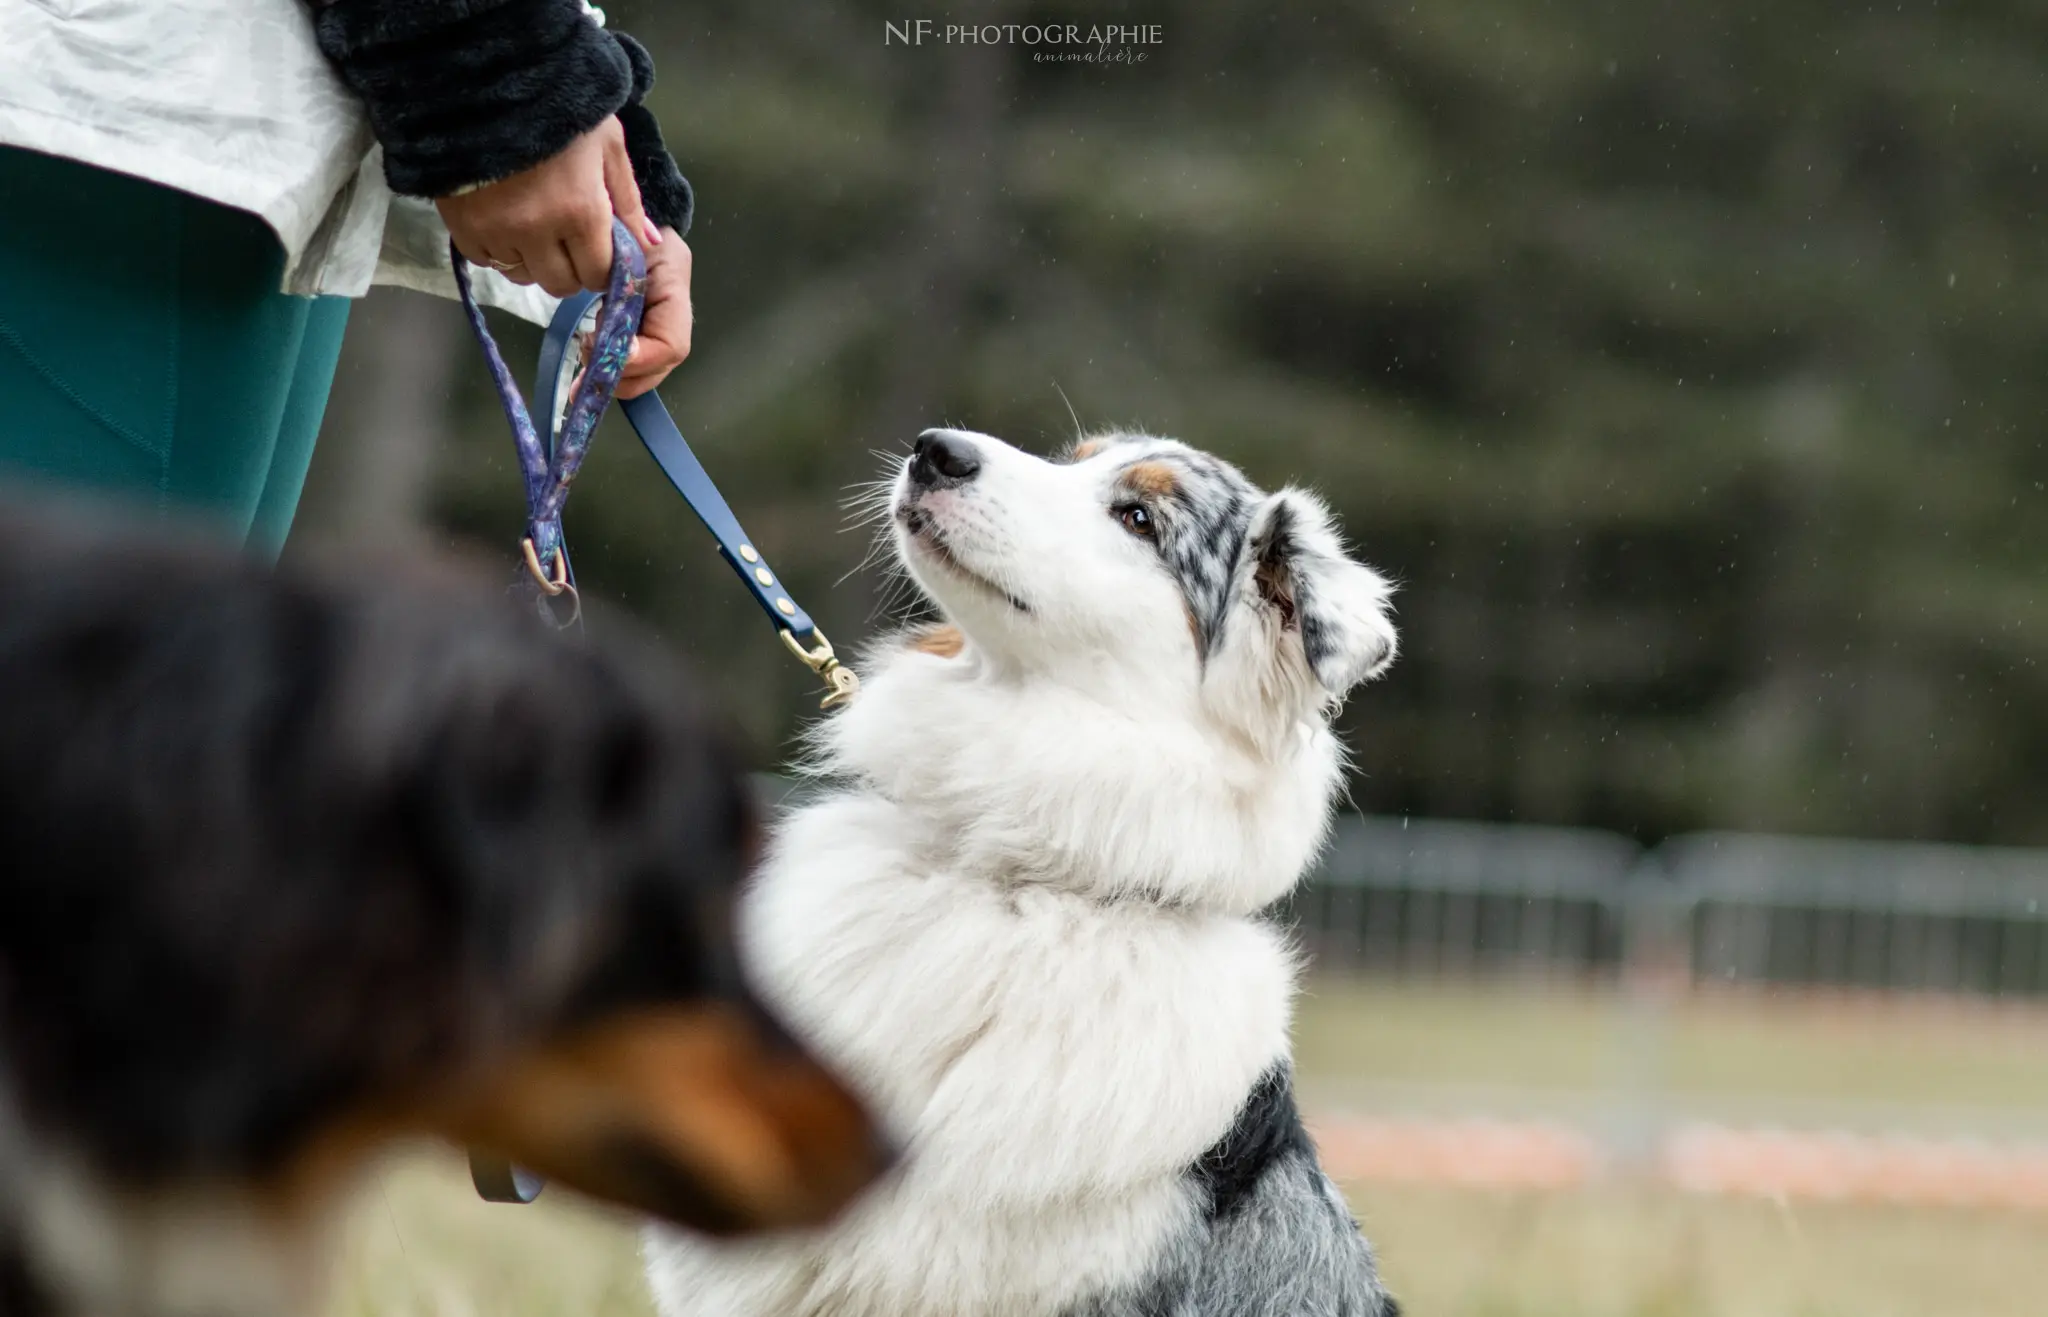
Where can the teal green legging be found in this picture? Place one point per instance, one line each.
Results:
(145, 350)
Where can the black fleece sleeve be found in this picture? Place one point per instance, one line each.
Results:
(663, 189)
(462, 92)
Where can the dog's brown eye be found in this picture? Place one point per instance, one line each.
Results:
(1136, 518)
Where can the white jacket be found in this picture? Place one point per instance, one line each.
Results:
(230, 100)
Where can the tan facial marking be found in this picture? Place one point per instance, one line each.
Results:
(944, 641)
(1086, 449)
(1151, 479)
(738, 1132)
(328, 1167)
(686, 1113)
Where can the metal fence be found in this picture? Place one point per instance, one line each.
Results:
(1431, 897)
(1436, 897)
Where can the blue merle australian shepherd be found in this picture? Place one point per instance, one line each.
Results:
(1026, 918)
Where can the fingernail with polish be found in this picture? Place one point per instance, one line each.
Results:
(653, 234)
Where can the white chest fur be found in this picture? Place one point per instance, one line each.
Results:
(1053, 1063)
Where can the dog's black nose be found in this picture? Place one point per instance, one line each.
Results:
(941, 457)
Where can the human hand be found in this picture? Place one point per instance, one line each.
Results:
(667, 320)
(552, 224)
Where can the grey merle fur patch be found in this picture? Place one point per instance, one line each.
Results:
(1204, 517)
(1276, 1238)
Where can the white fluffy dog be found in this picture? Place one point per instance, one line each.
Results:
(1028, 921)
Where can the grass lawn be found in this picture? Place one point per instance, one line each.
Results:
(422, 1245)
(1623, 1253)
(1969, 1069)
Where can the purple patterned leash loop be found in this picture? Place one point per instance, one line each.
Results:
(548, 479)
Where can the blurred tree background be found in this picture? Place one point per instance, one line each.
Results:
(1683, 361)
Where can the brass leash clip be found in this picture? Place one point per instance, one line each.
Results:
(841, 682)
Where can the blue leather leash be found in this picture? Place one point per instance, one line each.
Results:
(549, 464)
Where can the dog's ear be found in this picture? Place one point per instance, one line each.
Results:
(1335, 605)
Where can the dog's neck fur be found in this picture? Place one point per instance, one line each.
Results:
(1116, 792)
(1028, 929)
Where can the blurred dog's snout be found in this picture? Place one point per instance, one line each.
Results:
(941, 458)
(709, 1117)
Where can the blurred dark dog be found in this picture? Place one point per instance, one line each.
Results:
(294, 866)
